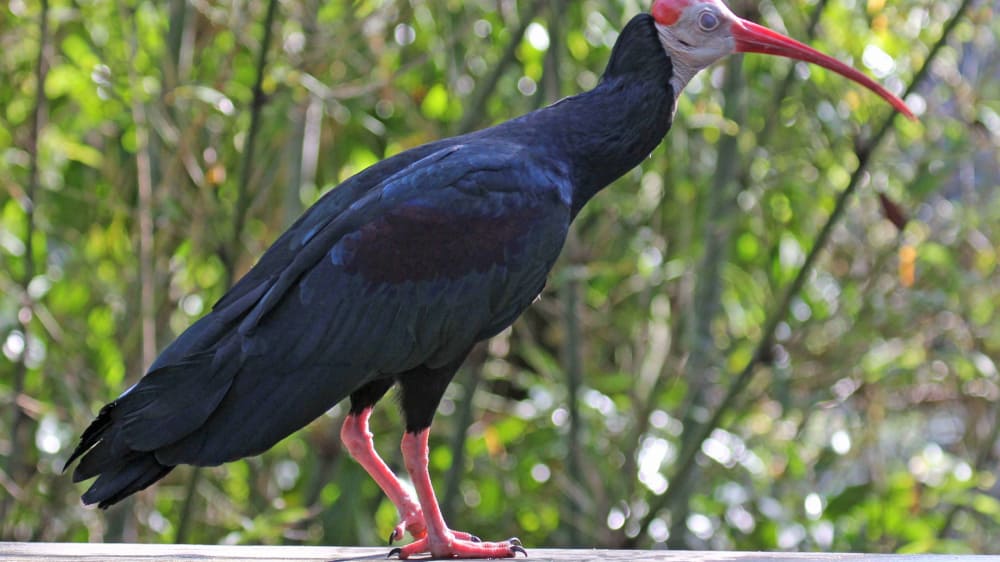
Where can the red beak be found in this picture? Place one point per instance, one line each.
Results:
(753, 38)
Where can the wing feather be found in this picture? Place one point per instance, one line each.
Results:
(446, 250)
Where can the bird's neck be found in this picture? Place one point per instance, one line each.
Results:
(615, 127)
(609, 130)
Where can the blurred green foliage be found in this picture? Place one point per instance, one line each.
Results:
(871, 424)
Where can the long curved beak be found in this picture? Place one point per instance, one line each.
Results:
(753, 38)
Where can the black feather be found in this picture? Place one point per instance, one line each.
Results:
(124, 480)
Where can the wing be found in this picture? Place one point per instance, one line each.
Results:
(445, 252)
(238, 300)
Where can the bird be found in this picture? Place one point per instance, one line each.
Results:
(394, 275)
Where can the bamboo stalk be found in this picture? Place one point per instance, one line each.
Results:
(573, 359)
(703, 365)
(29, 204)
(144, 181)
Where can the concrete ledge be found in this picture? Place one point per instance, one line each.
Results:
(35, 552)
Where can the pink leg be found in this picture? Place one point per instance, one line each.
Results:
(358, 440)
(440, 541)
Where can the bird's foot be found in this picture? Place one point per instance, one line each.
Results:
(456, 544)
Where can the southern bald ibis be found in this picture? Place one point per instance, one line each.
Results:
(393, 276)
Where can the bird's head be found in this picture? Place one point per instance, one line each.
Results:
(696, 33)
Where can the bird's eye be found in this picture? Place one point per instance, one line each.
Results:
(708, 21)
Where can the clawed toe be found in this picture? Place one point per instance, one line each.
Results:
(412, 523)
(462, 536)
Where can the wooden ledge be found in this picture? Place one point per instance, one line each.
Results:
(34, 552)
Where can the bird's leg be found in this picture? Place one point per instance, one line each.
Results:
(358, 440)
(442, 542)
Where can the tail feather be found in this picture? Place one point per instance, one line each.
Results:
(91, 436)
(101, 458)
(169, 403)
(120, 471)
(125, 480)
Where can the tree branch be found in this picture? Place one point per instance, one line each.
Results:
(243, 196)
(475, 109)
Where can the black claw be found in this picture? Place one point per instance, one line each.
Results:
(515, 541)
(474, 538)
(397, 551)
(518, 548)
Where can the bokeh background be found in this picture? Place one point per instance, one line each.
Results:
(780, 332)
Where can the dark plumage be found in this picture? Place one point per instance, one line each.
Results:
(390, 277)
